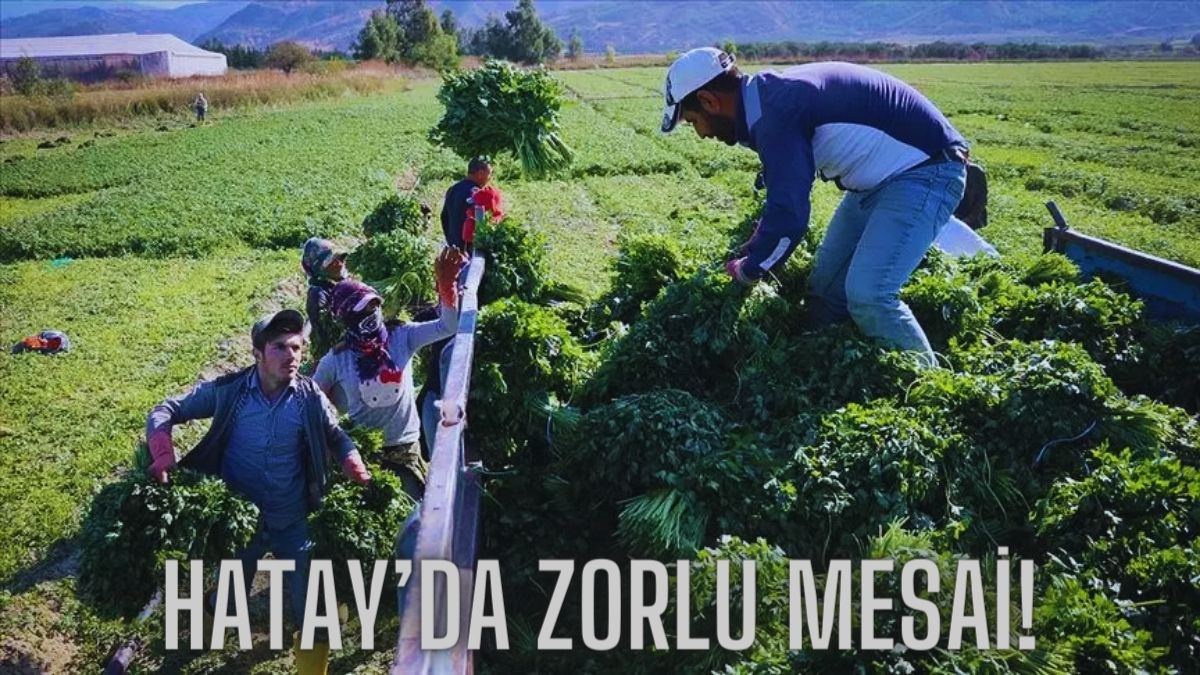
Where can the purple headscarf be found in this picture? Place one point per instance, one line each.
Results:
(357, 306)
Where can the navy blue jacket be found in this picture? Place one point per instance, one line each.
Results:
(454, 210)
(839, 121)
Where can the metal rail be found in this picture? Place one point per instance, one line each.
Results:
(448, 523)
(1168, 289)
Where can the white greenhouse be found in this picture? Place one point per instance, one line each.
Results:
(100, 56)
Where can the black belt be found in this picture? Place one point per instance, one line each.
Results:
(953, 153)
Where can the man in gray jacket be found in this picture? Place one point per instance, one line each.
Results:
(271, 432)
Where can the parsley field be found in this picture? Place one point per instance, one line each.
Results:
(155, 250)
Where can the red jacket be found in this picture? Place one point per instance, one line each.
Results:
(488, 198)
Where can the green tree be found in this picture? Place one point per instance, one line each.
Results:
(532, 40)
(729, 47)
(288, 56)
(421, 40)
(417, 24)
(377, 39)
(492, 39)
(237, 56)
(26, 76)
(439, 52)
(449, 24)
(574, 46)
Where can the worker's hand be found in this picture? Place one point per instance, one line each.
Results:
(445, 270)
(162, 454)
(354, 468)
(736, 269)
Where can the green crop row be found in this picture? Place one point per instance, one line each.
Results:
(1119, 159)
(272, 180)
(139, 330)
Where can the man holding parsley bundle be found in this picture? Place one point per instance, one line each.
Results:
(900, 162)
(272, 430)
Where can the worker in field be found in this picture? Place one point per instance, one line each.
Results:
(200, 105)
(271, 434)
(463, 199)
(900, 162)
(368, 374)
(458, 213)
(324, 264)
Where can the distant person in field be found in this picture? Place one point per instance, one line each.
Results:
(900, 162)
(272, 434)
(200, 105)
(324, 264)
(458, 226)
(368, 374)
(458, 213)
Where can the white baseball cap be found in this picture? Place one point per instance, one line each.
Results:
(688, 73)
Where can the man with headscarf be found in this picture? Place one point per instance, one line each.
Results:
(368, 376)
(324, 265)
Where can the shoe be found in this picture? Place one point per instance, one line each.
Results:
(313, 661)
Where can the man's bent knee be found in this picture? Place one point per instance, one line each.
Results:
(874, 311)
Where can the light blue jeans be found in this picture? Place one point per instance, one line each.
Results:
(874, 242)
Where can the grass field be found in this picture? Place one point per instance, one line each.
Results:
(155, 249)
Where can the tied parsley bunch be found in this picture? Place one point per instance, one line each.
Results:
(501, 108)
(135, 524)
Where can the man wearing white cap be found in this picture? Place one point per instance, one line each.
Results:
(899, 160)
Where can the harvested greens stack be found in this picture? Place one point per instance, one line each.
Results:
(711, 424)
(359, 522)
(501, 108)
(397, 257)
(135, 524)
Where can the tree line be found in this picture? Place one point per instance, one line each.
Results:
(890, 51)
(409, 32)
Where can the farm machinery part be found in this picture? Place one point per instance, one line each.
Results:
(1170, 291)
(446, 527)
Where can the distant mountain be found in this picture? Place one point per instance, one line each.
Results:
(186, 21)
(10, 9)
(655, 26)
(679, 24)
(316, 23)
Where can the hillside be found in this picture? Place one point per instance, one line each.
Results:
(187, 21)
(656, 26)
(322, 25)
